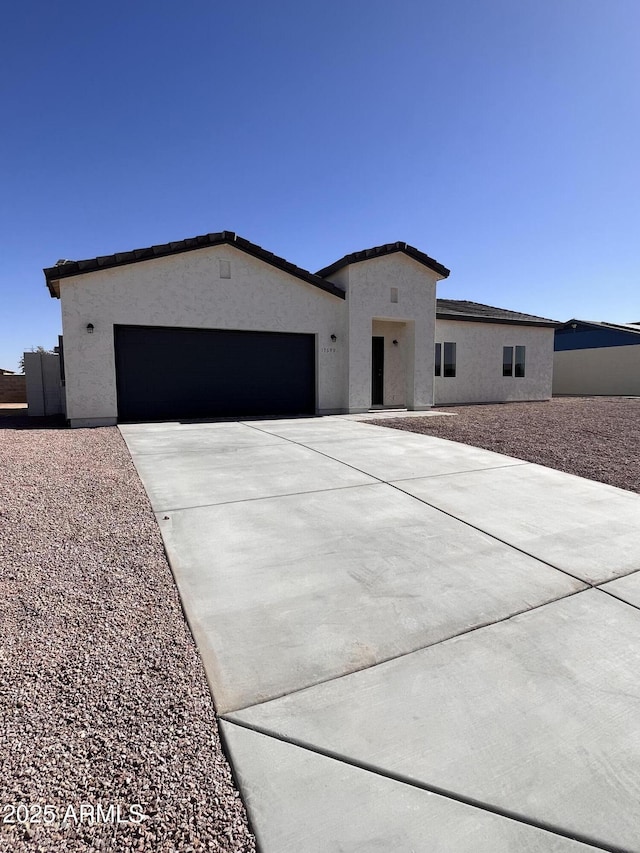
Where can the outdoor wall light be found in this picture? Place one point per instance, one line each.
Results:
(333, 338)
(395, 343)
(574, 326)
(90, 328)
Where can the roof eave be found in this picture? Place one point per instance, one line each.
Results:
(53, 275)
(382, 251)
(599, 326)
(54, 287)
(505, 321)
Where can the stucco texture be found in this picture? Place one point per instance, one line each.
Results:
(479, 376)
(368, 284)
(186, 290)
(222, 287)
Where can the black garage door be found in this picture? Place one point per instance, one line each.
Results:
(206, 373)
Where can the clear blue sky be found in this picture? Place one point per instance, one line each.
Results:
(502, 137)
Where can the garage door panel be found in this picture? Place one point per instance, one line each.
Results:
(189, 373)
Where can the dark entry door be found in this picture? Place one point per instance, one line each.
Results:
(377, 371)
(166, 373)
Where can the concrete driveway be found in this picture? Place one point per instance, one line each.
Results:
(414, 645)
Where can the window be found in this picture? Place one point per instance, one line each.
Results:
(449, 359)
(507, 361)
(511, 367)
(394, 294)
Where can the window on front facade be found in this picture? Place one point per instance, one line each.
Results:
(507, 361)
(511, 366)
(438, 359)
(449, 359)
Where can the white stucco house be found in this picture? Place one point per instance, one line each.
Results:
(216, 326)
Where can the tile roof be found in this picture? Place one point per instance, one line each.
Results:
(65, 269)
(461, 309)
(379, 251)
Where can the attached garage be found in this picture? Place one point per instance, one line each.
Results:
(215, 326)
(173, 373)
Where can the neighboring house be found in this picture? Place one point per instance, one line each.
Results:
(217, 326)
(597, 358)
(7, 372)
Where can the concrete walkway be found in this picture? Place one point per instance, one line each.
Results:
(414, 645)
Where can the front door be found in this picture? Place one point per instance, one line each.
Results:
(377, 371)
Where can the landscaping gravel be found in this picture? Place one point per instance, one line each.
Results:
(103, 698)
(593, 437)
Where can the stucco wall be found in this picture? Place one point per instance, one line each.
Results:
(479, 376)
(606, 370)
(186, 290)
(368, 284)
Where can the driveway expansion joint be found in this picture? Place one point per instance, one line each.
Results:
(515, 462)
(269, 497)
(424, 786)
(619, 597)
(278, 579)
(392, 482)
(493, 536)
(452, 474)
(440, 642)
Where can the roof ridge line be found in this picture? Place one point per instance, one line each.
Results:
(381, 251)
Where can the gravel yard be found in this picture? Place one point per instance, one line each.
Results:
(593, 437)
(103, 697)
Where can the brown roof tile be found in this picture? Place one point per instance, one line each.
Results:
(461, 309)
(379, 251)
(66, 269)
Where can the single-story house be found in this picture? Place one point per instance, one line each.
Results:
(499, 355)
(216, 326)
(597, 358)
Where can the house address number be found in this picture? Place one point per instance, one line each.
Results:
(329, 349)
